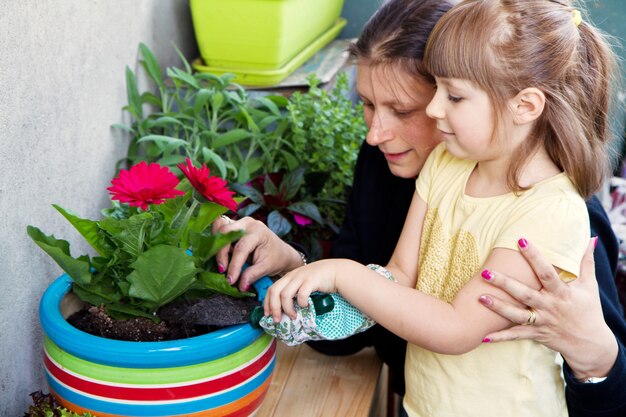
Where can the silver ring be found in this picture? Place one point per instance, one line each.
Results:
(226, 219)
(532, 317)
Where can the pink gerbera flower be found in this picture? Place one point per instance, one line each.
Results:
(212, 188)
(144, 184)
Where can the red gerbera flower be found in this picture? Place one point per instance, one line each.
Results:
(212, 188)
(144, 184)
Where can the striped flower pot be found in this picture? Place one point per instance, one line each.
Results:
(224, 373)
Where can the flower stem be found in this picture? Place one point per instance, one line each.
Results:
(183, 231)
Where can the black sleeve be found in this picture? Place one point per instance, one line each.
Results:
(607, 398)
(375, 214)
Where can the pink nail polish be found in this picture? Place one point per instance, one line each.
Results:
(221, 268)
(595, 242)
(486, 340)
(230, 279)
(523, 243)
(485, 300)
(487, 274)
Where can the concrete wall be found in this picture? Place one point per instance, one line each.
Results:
(62, 85)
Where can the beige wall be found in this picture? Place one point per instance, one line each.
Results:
(62, 85)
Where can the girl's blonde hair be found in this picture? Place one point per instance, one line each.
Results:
(504, 46)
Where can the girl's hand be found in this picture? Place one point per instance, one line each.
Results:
(568, 316)
(299, 284)
(270, 255)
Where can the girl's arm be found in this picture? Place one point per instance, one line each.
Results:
(424, 320)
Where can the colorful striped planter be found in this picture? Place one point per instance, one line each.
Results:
(224, 373)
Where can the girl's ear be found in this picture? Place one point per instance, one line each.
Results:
(528, 105)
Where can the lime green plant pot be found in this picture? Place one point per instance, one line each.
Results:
(259, 34)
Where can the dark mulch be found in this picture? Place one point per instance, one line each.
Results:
(179, 320)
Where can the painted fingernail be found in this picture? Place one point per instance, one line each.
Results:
(230, 279)
(487, 274)
(221, 268)
(486, 340)
(595, 242)
(485, 300)
(245, 287)
(523, 243)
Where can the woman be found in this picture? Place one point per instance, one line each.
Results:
(400, 138)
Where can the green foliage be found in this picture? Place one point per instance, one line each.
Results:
(207, 118)
(145, 259)
(327, 132)
(44, 405)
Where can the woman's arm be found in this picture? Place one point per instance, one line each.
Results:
(572, 319)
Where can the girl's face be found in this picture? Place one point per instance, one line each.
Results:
(394, 107)
(464, 118)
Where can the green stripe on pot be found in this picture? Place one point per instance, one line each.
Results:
(157, 375)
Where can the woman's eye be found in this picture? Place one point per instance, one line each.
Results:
(454, 99)
(402, 113)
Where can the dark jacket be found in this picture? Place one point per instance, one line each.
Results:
(376, 211)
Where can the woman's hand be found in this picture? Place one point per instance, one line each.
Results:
(568, 316)
(299, 284)
(270, 254)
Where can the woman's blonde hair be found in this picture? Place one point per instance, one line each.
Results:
(504, 46)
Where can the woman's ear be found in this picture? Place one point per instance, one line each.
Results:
(528, 105)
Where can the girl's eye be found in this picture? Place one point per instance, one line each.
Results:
(454, 99)
(368, 105)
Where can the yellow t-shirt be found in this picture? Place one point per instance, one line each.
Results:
(520, 378)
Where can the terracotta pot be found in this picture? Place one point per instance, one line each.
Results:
(224, 373)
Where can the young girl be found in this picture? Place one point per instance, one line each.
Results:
(523, 123)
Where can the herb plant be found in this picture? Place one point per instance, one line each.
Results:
(208, 119)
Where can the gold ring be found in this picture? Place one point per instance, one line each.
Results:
(532, 317)
(226, 219)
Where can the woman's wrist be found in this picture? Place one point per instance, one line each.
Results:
(596, 358)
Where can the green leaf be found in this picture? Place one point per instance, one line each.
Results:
(307, 209)
(248, 191)
(202, 97)
(248, 210)
(278, 224)
(209, 156)
(88, 229)
(291, 183)
(230, 137)
(152, 65)
(292, 161)
(218, 283)
(269, 104)
(125, 128)
(162, 274)
(166, 141)
(78, 269)
(134, 100)
(178, 74)
(204, 247)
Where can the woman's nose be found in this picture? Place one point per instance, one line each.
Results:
(378, 133)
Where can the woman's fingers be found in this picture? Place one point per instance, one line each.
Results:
(521, 292)
(512, 333)
(513, 313)
(543, 269)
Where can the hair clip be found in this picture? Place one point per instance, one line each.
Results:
(576, 16)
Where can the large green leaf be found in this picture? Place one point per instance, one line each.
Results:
(206, 246)
(162, 274)
(59, 250)
(89, 229)
(291, 183)
(219, 284)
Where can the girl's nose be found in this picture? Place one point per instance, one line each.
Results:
(377, 133)
(434, 110)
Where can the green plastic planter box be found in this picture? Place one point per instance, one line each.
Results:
(259, 34)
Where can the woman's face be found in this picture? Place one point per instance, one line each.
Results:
(394, 107)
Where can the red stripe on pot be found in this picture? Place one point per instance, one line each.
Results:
(163, 392)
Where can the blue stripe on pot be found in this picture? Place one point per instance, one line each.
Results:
(145, 354)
